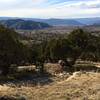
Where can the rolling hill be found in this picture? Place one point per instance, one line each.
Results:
(60, 22)
(68, 22)
(52, 22)
(20, 24)
(89, 21)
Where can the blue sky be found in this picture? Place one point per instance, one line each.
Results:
(50, 8)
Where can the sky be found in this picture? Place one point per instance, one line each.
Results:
(50, 8)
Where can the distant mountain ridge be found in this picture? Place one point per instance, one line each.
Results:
(89, 21)
(23, 24)
(61, 22)
(71, 22)
(97, 24)
(52, 22)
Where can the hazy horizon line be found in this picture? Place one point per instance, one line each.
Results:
(49, 18)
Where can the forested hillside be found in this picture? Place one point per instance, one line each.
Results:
(19, 24)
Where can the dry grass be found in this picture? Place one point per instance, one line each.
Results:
(53, 68)
(80, 86)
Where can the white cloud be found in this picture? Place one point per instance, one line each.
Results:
(79, 4)
(37, 9)
(89, 4)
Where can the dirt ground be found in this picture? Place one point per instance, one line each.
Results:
(79, 86)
